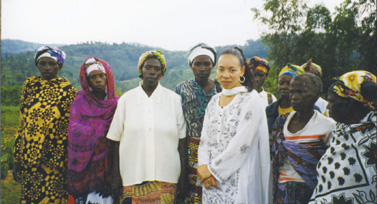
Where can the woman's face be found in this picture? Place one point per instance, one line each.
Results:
(152, 72)
(338, 107)
(97, 81)
(202, 67)
(229, 71)
(258, 77)
(48, 68)
(284, 85)
(303, 96)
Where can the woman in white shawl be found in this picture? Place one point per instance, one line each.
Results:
(234, 160)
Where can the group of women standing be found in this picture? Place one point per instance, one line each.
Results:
(206, 143)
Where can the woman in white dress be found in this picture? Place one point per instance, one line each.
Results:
(234, 160)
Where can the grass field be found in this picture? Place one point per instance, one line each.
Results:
(10, 190)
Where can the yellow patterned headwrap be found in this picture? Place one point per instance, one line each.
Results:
(257, 63)
(350, 84)
(291, 70)
(313, 67)
(152, 54)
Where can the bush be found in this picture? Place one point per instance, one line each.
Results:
(10, 95)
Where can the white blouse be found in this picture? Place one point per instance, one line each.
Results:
(148, 129)
(235, 146)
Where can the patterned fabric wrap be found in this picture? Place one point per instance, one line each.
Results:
(293, 192)
(152, 54)
(41, 143)
(89, 151)
(194, 103)
(312, 67)
(303, 158)
(350, 84)
(53, 52)
(347, 171)
(256, 63)
(291, 70)
(149, 192)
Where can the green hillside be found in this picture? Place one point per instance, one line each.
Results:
(123, 58)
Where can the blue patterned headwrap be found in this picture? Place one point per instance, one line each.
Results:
(291, 70)
(51, 52)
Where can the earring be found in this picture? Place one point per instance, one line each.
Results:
(242, 79)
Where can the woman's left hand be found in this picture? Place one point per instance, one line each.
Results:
(203, 172)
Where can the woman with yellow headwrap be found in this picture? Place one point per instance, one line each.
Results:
(148, 124)
(347, 170)
(259, 69)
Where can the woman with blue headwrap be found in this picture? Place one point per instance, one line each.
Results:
(40, 153)
(283, 105)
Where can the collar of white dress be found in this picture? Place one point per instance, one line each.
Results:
(234, 91)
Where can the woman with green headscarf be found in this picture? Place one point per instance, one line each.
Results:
(148, 125)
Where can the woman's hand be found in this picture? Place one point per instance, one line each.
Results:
(210, 182)
(203, 172)
(16, 170)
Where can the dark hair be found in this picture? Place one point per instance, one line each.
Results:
(235, 51)
(314, 81)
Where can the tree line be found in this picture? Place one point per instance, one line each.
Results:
(17, 66)
(339, 42)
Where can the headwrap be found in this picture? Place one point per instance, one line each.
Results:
(202, 49)
(256, 63)
(89, 151)
(110, 88)
(357, 85)
(152, 54)
(312, 67)
(93, 66)
(291, 70)
(51, 52)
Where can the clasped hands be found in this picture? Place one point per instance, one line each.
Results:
(206, 177)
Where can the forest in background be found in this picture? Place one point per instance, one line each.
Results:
(18, 63)
(341, 41)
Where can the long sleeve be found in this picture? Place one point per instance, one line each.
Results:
(181, 124)
(264, 159)
(238, 149)
(117, 125)
(203, 153)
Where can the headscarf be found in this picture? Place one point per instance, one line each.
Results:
(256, 63)
(313, 67)
(110, 90)
(91, 65)
(51, 52)
(152, 54)
(89, 151)
(291, 70)
(202, 49)
(357, 85)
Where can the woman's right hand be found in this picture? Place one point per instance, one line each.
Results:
(203, 172)
(16, 172)
(210, 182)
(116, 185)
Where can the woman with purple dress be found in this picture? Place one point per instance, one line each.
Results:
(89, 151)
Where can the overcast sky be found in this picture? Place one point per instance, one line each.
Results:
(169, 24)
